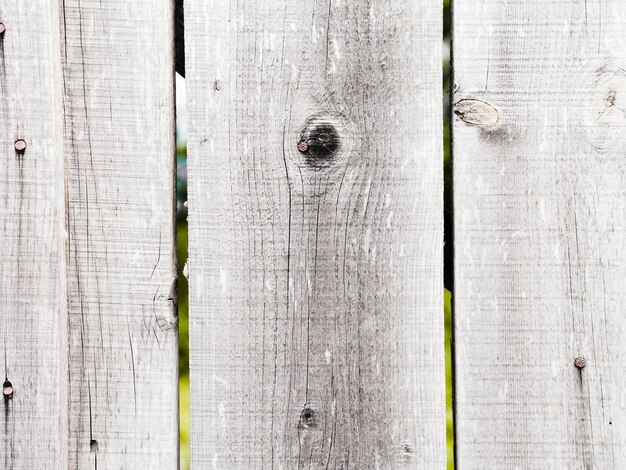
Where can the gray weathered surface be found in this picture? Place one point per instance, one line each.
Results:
(540, 206)
(119, 104)
(33, 312)
(315, 279)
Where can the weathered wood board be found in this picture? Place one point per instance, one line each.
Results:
(540, 245)
(33, 316)
(119, 127)
(316, 324)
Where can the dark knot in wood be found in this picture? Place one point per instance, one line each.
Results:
(319, 141)
(307, 417)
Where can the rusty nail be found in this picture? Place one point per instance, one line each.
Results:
(2, 28)
(303, 146)
(580, 362)
(20, 145)
(7, 390)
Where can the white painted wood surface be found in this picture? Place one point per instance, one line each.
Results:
(33, 315)
(540, 223)
(119, 126)
(316, 324)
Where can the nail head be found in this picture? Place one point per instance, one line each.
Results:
(20, 145)
(7, 390)
(303, 146)
(580, 362)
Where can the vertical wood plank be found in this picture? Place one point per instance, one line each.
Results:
(119, 125)
(33, 316)
(540, 205)
(316, 326)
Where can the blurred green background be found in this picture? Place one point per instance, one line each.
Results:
(182, 259)
(183, 303)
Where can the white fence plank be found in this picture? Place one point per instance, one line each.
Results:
(33, 320)
(316, 324)
(539, 178)
(118, 63)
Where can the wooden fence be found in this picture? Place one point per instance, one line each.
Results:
(315, 234)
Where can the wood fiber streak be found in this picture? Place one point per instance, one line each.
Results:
(33, 312)
(540, 224)
(316, 325)
(119, 128)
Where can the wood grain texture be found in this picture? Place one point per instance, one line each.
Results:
(119, 126)
(540, 206)
(316, 326)
(33, 316)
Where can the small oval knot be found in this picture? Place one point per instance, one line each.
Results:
(476, 112)
(606, 115)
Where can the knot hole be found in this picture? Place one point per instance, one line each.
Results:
(319, 141)
(308, 418)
